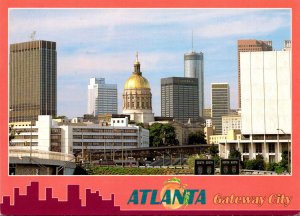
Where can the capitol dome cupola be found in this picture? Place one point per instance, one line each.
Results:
(137, 66)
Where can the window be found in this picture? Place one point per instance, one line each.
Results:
(245, 148)
(271, 147)
(258, 148)
(271, 158)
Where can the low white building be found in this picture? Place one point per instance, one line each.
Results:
(47, 135)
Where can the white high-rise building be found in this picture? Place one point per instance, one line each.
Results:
(194, 68)
(102, 98)
(266, 92)
(266, 106)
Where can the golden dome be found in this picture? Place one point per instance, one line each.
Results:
(136, 81)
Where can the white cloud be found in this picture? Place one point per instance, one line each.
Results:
(115, 63)
(259, 25)
(70, 23)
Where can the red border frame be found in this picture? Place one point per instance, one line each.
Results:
(107, 185)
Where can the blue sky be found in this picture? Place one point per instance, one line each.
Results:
(103, 43)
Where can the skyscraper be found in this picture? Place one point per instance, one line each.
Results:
(32, 80)
(102, 98)
(266, 78)
(220, 104)
(179, 98)
(250, 46)
(194, 68)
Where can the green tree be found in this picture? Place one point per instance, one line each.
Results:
(213, 151)
(155, 134)
(285, 159)
(169, 135)
(162, 134)
(235, 154)
(196, 137)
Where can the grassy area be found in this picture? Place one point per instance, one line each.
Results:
(98, 170)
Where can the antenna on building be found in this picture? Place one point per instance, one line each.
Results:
(192, 40)
(32, 36)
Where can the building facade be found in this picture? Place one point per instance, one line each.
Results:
(137, 97)
(250, 46)
(179, 98)
(266, 106)
(102, 97)
(48, 135)
(231, 122)
(220, 104)
(32, 80)
(194, 68)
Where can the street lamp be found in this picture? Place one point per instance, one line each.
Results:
(288, 155)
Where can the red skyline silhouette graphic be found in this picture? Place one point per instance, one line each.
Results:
(30, 204)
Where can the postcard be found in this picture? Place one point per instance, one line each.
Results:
(153, 108)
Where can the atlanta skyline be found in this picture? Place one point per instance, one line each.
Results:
(103, 43)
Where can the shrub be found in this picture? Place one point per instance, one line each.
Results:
(271, 166)
(255, 164)
(98, 170)
(279, 169)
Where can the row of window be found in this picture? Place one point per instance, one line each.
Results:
(104, 144)
(23, 144)
(258, 148)
(96, 130)
(103, 137)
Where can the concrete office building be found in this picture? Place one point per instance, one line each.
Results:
(102, 97)
(194, 68)
(220, 104)
(49, 136)
(179, 98)
(137, 97)
(32, 80)
(231, 122)
(266, 106)
(250, 46)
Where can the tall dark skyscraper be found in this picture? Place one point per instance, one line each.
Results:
(220, 104)
(179, 98)
(32, 80)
